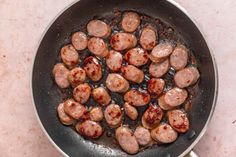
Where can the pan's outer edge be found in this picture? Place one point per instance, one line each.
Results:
(212, 56)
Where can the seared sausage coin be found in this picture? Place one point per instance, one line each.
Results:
(130, 21)
(123, 41)
(127, 140)
(164, 133)
(92, 68)
(76, 76)
(69, 56)
(98, 28)
(96, 114)
(178, 120)
(152, 117)
(89, 129)
(82, 93)
(98, 47)
(132, 73)
(136, 57)
(79, 40)
(64, 118)
(161, 52)
(113, 115)
(114, 60)
(143, 136)
(159, 69)
(137, 97)
(60, 73)
(117, 83)
(74, 109)
(130, 111)
(101, 96)
(148, 38)
(179, 57)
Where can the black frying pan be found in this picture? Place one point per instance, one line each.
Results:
(47, 96)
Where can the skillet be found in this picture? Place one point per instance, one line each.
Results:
(46, 95)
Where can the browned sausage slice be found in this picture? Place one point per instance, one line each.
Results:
(98, 47)
(69, 56)
(130, 111)
(117, 83)
(96, 114)
(159, 69)
(113, 115)
(76, 76)
(74, 109)
(136, 57)
(178, 120)
(137, 97)
(101, 96)
(60, 73)
(98, 28)
(152, 117)
(89, 129)
(82, 93)
(163, 104)
(127, 140)
(179, 57)
(148, 38)
(175, 96)
(123, 41)
(161, 52)
(79, 40)
(130, 21)
(143, 136)
(114, 60)
(64, 118)
(164, 133)
(155, 86)
(132, 73)
(92, 68)
(186, 77)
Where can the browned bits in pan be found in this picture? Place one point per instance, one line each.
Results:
(128, 75)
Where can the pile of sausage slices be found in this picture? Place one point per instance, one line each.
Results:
(124, 55)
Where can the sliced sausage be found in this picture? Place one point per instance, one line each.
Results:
(98, 47)
(159, 69)
(64, 118)
(74, 109)
(130, 111)
(82, 93)
(98, 28)
(96, 114)
(152, 117)
(117, 83)
(132, 73)
(101, 96)
(137, 97)
(79, 40)
(163, 104)
(178, 120)
(60, 73)
(76, 76)
(92, 68)
(89, 129)
(161, 52)
(136, 57)
(179, 57)
(155, 86)
(186, 77)
(114, 60)
(113, 115)
(164, 133)
(143, 136)
(175, 96)
(127, 140)
(130, 21)
(69, 56)
(148, 38)
(123, 41)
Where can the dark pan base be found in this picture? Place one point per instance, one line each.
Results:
(47, 96)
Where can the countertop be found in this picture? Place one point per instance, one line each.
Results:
(21, 26)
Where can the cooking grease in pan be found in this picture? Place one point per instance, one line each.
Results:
(166, 33)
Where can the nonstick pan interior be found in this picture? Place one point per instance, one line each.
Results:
(47, 96)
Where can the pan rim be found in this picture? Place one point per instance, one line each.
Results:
(182, 9)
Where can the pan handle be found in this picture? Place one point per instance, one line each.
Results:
(192, 154)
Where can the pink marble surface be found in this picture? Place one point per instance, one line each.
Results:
(23, 22)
